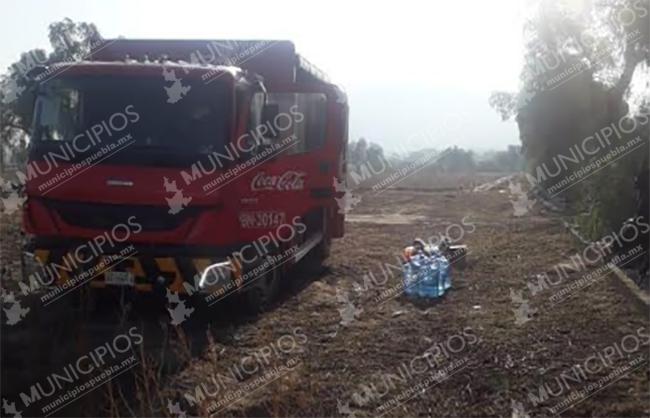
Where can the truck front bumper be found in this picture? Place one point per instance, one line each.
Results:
(181, 269)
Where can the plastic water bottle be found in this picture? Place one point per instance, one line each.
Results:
(434, 250)
(423, 274)
(414, 271)
(443, 269)
(420, 274)
(445, 273)
(410, 283)
(428, 278)
(436, 277)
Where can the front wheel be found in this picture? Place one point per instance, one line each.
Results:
(260, 295)
(312, 263)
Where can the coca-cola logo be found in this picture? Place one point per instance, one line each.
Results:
(290, 180)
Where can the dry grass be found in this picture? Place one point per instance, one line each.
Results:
(338, 359)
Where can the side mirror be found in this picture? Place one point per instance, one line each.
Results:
(269, 112)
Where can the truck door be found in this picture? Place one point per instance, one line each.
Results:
(300, 170)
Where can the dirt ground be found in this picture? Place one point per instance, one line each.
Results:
(345, 342)
(356, 339)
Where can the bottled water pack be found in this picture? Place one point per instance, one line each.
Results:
(427, 274)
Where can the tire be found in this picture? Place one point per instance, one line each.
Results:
(260, 295)
(313, 262)
(317, 223)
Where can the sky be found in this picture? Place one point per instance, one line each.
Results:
(416, 70)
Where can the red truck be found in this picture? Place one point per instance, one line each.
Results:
(184, 166)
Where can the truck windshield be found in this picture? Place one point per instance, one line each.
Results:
(158, 116)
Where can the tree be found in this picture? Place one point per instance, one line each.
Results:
(456, 160)
(70, 41)
(358, 151)
(579, 66)
(375, 152)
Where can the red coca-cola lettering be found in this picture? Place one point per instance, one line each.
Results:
(290, 180)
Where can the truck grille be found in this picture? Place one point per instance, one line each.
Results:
(106, 216)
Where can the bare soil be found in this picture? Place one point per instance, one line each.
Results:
(336, 345)
(342, 357)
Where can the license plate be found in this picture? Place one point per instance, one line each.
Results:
(119, 278)
(261, 219)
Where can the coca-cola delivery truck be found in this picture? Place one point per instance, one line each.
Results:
(177, 166)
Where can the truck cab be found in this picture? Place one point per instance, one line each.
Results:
(183, 167)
